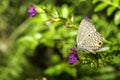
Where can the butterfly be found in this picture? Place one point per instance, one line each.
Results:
(87, 37)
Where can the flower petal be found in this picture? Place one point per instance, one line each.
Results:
(72, 58)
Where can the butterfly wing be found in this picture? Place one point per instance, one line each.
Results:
(84, 39)
(93, 42)
(84, 29)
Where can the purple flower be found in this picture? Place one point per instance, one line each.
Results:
(75, 52)
(32, 11)
(73, 57)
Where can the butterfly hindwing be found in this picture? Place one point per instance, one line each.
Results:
(93, 42)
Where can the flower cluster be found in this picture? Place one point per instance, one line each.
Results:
(73, 57)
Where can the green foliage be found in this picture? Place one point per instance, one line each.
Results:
(38, 48)
(111, 6)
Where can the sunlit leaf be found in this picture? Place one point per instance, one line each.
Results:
(95, 1)
(100, 7)
(116, 2)
(110, 10)
(65, 11)
(117, 18)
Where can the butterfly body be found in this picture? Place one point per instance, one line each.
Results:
(88, 38)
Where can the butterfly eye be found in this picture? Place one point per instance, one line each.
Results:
(89, 35)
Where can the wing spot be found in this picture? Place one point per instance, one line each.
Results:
(99, 43)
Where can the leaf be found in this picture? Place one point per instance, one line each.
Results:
(71, 71)
(100, 7)
(110, 10)
(117, 18)
(116, 2)
(95, 1)
(57, 69)
(65, 11)
(105, 69)
(116, 60)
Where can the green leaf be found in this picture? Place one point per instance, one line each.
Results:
(56, 70)
(116, 2)
(100, 7)
(71, 71)
(116, 60)
(95, 1)
(117, 17)
(65, 11)
(110, 10)
(105, 69)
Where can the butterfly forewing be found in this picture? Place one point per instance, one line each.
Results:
(84, 29)
(87, 37)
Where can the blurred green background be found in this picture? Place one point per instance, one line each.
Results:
(38, 48)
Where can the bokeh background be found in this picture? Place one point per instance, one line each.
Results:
(38, 48)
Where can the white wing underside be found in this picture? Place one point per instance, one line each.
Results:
(85, 28)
